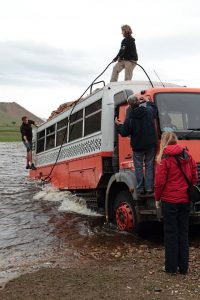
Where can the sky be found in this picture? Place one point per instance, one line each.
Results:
(52, 50)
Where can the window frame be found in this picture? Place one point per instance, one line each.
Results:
(49, 135)
(66, 127)
(91, 115)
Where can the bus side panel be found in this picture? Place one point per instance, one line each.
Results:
(85, 172)
(60, 178)
(80, 173)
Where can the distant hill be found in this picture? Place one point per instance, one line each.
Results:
(10, 120)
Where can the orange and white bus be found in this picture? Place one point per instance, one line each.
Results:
(79, 149)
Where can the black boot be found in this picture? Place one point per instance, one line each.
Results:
(33, 167)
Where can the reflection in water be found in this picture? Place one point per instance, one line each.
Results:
(44, 227)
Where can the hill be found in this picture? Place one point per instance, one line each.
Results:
(10, 120)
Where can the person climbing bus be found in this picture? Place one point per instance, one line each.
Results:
(27, 135)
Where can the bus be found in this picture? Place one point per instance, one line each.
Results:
(80, 150)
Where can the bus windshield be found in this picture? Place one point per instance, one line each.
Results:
(179, 112)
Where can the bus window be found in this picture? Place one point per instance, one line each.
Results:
(40, 141)
(92, 118)
(61, 134)
(76, 126)
(50, 137)
(183, 110)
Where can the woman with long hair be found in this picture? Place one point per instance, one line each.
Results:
(171, 189)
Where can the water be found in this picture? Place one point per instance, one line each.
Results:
(43, 227)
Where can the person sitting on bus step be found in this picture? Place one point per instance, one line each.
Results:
(140, 126)
(127, 56)
(27, 135)
(171, 189)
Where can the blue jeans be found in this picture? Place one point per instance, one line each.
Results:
(145, 180)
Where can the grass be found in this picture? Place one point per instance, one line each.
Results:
(10, 121)
(9, 133)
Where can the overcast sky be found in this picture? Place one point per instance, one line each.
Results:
(51, 50)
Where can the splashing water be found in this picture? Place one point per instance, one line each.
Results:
(68, 201)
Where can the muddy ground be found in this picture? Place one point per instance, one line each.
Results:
(135, 273)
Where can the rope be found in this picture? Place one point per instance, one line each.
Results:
(47, 179)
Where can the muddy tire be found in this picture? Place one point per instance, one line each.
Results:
(124, 212)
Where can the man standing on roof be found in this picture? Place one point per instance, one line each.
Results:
(127, 56)
(27, 135)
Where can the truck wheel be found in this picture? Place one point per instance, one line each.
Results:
(124, 212)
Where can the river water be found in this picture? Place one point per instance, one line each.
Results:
(41, 226)
(44, 227)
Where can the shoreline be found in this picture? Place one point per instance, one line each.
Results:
(135, 276)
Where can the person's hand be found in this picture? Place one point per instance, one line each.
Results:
(143, 99)
(117, 122)
(157, 204)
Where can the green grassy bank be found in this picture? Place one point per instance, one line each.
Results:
(9, 133)
(11, 119)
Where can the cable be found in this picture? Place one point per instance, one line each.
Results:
(145, 74)
(47, 179)
(159, 79)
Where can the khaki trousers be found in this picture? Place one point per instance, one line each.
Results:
(128, 65)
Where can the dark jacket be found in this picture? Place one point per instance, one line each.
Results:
(26, 130)
(128, 50)
(140, 125)
(170, 185)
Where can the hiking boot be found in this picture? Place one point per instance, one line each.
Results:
(163, 269)
(149, 193)
(167, 272)
(28, 167)
(182, 272)
(141, 193)
(33, 167)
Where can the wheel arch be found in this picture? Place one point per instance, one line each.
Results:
(121, 181)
